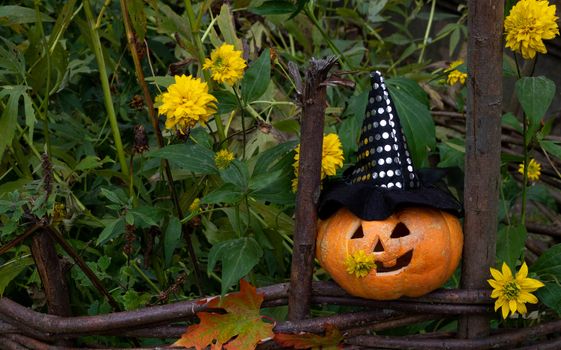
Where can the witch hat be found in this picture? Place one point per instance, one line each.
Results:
(384, 177)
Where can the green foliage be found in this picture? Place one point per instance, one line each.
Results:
(411, 103)
(70, 94)
(548, 268)
(257, 77)
(535, 95)
(510, 243)
(12, 268)
(238, 257)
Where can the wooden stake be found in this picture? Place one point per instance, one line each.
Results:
(483, 146)
(311, 142)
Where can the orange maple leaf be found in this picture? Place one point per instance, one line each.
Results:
(330, 341)
(241, 321)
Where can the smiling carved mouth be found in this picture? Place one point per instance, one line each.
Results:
(400, 263)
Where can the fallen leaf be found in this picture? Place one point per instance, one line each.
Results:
(241, 322)
(330, 341)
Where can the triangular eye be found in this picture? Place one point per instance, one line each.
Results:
(358, 233)
(400, 231)
(379, 247)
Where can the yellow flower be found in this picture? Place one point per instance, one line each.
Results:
(513, 293)
(331, 158)
(528, 24)
(359, 264)
(186, 103)
(196, 205)
(534, 170)
(223, 158)
(225, 64)
(455, 75)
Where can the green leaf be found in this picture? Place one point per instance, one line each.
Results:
(13, 14)
(454, 40)
(238, 257)
(172, 238)
(273, 7)
(278, 192)
(116, 196)
(452, 154)
(535, 95)
(225, 22)
(64, 17)
(57, 62)
(549, 263)
(195, 158)
(511, 120)
(138, 18)
(410, 87)
(133, 300)
(267, 159)
(265, 180)
(11, 269)
(227, 101)
(11, 60)
(374, 9)
(30, 119)
(550, 295)
(237, 174)
(227, 193)
(349, 131)
(129, 218)
(91, 162)
(162, 81)
(9, 118)
(146, 216)
(112, 230)
(551, 148)
(415, 119)
(510, 243)
(256, 79)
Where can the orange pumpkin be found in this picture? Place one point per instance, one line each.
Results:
(415, 251)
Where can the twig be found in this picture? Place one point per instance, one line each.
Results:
(14, 242)
(502, 340)
(309, 170)
(83, 266)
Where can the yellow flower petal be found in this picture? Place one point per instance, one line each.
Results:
(359, 263)
(223, 158)
(528, 24)
(507, 274)
(505, 310)
(512, 305)
(531, 284)
(495, 293)
(186, 103)
(226, 64)
(497, 275)
(526, 297)
(523, 272)
(512, 293)
(332, 157)
(521, 308)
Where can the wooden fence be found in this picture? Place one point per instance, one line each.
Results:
(22, 328)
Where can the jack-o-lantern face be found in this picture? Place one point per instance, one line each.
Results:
(415, 251)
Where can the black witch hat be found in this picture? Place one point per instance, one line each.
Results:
(384, 178)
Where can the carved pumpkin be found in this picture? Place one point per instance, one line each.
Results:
(415, 251)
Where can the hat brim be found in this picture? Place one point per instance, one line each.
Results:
(370, 202)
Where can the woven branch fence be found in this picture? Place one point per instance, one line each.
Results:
(22, 328)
